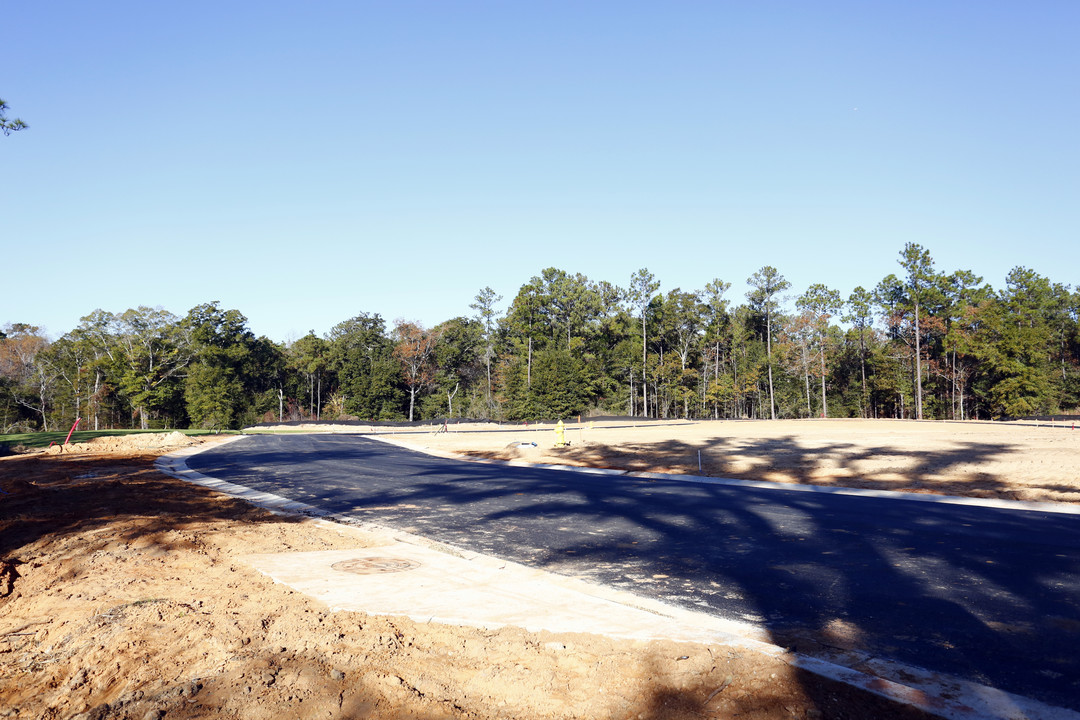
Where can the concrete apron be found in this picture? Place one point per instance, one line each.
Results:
(408, 575)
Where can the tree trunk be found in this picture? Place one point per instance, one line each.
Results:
(918, 368)
(97, 403)
(824, 406)
(806, 379)
(450, 400)
(862, 365)
(656, 398)
(704, 390)
(736, 403)
(644, 368)
(768, 350)
(716, 376)
(962, 411)
(953, 402)
(488, 358)
(41, 409)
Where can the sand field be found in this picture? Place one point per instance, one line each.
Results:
(1009, 461)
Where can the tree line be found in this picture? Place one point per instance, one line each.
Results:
(919, 344)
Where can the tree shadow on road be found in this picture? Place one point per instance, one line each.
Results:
(967, 591)
(979, 593)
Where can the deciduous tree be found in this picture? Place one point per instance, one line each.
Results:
(148, 350)
(29, 379)
(414, 349)
(456, 361)
(310, 356)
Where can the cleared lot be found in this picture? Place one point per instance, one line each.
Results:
(976, 459)
(121, 597)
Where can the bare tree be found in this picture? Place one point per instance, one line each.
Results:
(414, 349)
(22, 363)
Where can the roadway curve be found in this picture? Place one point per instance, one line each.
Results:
(986, 594)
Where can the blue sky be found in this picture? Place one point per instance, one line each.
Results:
(305, 162)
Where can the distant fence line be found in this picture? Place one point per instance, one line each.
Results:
(431, 422)
(1047, 418)
(441, 421)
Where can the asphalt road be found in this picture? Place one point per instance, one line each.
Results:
(985, 594)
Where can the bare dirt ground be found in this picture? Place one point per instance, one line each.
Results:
(974, 459)
(122, 596)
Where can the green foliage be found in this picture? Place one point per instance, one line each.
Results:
(230, 368)
(360, 357)
(458, 359)
(1011, 348)
(944, 345)
(487, 315)
(9, 126)
(143, 351)
(560, 387)
(767, 283)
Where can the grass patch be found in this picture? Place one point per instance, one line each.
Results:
(43, 439)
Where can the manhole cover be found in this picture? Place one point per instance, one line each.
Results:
(375, 565)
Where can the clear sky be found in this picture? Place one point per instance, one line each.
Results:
(305, 162)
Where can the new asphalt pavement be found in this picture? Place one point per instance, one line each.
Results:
(986, 594)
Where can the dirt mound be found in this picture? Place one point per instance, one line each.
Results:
(523, 450)
(127, 443)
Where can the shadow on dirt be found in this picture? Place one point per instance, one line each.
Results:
(54, 496)
(785, 459)
(415, 684)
